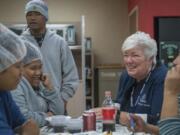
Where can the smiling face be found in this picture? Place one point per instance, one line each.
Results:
(10, 77)
(32, 72)
(137, 65)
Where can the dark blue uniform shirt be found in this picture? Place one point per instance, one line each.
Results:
(150, 100)
(10, 115)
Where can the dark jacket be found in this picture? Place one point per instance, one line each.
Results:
(150, 100)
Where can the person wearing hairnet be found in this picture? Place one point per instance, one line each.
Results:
(12, 51)
(35, 94)
(57, 57)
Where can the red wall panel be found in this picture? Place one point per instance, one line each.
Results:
(148, 9)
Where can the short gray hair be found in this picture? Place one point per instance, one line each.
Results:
(143, 40)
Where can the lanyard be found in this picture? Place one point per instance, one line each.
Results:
(141, 91)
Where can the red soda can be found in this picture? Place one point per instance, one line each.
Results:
(89, 121)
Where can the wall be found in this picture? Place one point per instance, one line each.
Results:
(106, 22)
(148, 9)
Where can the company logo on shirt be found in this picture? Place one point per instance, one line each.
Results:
(143, 99)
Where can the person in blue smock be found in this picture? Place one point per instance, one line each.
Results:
(12, 50)
(141, 84)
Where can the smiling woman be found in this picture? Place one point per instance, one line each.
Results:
(141, 84)
(35, 95)
(170, 121)
(137, 64)
(33, 72)
(32, 65)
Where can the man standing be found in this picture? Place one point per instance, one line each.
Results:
(57, 57)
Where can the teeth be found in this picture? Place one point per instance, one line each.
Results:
(131, 67)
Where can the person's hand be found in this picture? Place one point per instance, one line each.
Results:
(133, 122)
(171, 91)
(46, 81)
(30, 128)
(139, 124)
(124, 118)
(49, 114)
(127, 120)
(172, 81)
(98, 112)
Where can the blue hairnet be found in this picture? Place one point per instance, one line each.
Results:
(12, 48)
(33, 53)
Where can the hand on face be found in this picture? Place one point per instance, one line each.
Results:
(46, 81)
(172, 81)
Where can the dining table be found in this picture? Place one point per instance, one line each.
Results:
(119, 130)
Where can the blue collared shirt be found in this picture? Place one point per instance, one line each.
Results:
(150, 101)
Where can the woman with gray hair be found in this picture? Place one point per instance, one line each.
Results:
(141, 84)
(170, 120)
(35, 95)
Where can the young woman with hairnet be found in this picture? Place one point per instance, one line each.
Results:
(12, 51)
(35, 94)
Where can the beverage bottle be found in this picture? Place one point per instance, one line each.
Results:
(108, 113)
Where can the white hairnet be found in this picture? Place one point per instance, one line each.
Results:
(37, 6)
(12, 48)
(33, 53)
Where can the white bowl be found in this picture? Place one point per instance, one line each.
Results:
(74, 124)
(58, 120)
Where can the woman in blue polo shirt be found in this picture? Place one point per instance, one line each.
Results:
(141, 84)
(170, 119)
(12, 50)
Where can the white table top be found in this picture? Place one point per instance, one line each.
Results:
(120, 130)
